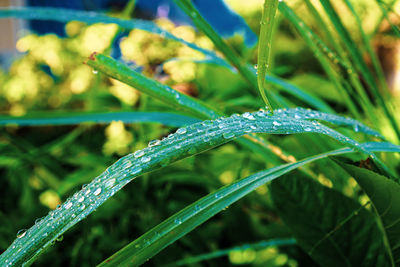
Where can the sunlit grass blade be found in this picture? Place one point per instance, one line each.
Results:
(67, 15)
(181, 223)
(165, 93)
(242, 248)
(304, 114)
(188, 141)
(170, 119)
(264, 47)
(188, 7)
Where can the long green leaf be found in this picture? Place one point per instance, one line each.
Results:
(185, 142)
(264, 47)
(67, 15)
(181, 223)
(385, 196)
(169, 119)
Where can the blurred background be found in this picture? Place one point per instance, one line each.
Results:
(42, 72)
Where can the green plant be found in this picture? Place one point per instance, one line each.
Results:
(324, 213)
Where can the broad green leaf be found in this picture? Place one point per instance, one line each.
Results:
(170, 119)
(181, 223)
(385, 196)
(187, 141)
(332, 228)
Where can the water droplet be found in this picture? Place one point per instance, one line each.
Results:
(97, 191)
(82, 207)
(138, 154)
(81, 199)
(253, 127)
(146, 159)
(217, 195)
(95, 72)
(307, 129)
(228, 135)
(68, 205)
(248, 116)
(297, 116)
(356, 128)
(275, 123)
(60, 238)
(21, 233)
(38, 220)
(256, 66)
(110, 183)
(177, 221)
(154, 143)
(181, 131)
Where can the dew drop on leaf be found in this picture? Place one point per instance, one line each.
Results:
(97, 191)
(181, 131)
(146, 159)
(138, 154)
(110, 183)
(68, 205)
(228, 135)
(154, 143)
(21, 233)
(81, 199)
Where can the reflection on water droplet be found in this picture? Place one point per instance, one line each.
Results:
(181, 131)
(308, 129)
(81, 199)
(146, 159)
(21, 233)
(82, 207)
(68, 205)
(60, 238)
(95, 71)
(154, 143)
(138, 154)
(97, 191)
(228, 135)
(178, 221)
(110, 183)
(275, 123)
(248, 116)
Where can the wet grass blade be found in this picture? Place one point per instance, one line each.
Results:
(185, 142)
(170, 119)
(181, 223)
(264, 47)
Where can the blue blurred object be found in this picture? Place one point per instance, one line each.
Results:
(224, 20)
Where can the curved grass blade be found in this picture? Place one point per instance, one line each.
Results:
(264, 47)
(181, 223)
(67, 15)
(304, 114)
(123, 73)
(185, 142)
(224, 252)
(170, 119)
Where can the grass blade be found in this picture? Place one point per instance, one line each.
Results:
(264, 46)
(181, 223)
(165, 118)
